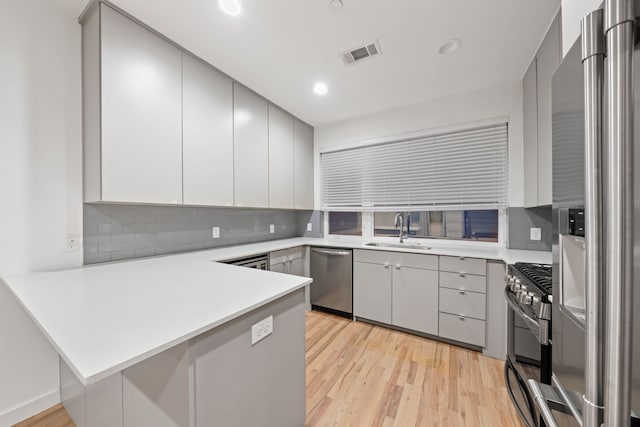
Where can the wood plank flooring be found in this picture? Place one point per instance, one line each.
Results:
(364, 375)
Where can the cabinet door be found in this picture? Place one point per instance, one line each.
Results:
(415, 299)
(296, 266)
(548, 61)
(251, 148)
(141, 114)
(280, 158)
(303, 164)
(372, 292)
(278, 268)
(530, 128)
(207, 135)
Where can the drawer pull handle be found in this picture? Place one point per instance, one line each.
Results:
(461, 258)
(398, 266)
(463, 274)
(462, 292)
(386, 265)
(462, 318)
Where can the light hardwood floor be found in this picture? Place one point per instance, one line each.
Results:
(364, 375)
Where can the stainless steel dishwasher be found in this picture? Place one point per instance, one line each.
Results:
(332, 287)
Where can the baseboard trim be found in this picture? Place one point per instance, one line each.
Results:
(29, 409)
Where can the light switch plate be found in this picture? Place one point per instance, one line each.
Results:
(309, 226)
(215, 232)
(272, 228)
(261, 330)
(535, 233)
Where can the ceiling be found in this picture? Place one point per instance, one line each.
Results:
(279, 48)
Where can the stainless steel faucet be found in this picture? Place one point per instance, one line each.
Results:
(399, 223)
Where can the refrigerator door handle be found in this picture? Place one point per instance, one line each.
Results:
(619, 30)
(593, 50)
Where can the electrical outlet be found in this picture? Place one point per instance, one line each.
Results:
(261, 330)
(535, 233)
(72, 243)
(272, 228)
(309, 226)
(215, 233)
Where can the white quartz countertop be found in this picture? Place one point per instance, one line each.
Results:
(471, 249)
(104, 318)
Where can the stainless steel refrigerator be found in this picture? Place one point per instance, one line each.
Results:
(596, 209)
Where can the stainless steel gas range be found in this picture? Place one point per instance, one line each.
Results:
(529, 295)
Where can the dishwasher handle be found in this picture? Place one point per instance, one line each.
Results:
(331, 252)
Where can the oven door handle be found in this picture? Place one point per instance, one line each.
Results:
(530, 321)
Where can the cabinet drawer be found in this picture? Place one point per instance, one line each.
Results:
(462, 329)
(457, 264)
(463, 281)
(286, 255)
(463, 303)
(426, 262)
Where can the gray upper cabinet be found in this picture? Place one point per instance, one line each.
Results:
(251, 148)
(161, 126)
(537, 118)
(303, 165)
(207, 135)
(281, 170)
(549, 57)
(530, 128)
(141, 112)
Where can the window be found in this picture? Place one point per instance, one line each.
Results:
(345, 223)
(455, 171)
(477, 225)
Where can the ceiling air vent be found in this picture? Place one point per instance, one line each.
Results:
(361, 52)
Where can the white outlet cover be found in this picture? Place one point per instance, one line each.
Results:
(72, 243)
(272, 228)
(535, 233)
(309, 226)
(261, 330)
(215, 232)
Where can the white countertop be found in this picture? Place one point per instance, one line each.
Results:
(471, 249)
(104, 318)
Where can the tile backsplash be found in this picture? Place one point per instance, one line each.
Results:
(116, 232)
(521, 220)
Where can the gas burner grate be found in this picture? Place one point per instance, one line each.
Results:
(538, 274)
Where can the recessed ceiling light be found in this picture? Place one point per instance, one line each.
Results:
(320, 88)
(450, 47)
(230, 7)
(335, 5)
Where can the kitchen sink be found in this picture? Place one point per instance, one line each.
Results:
(398, 245)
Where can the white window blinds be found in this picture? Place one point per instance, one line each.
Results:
(458, 170)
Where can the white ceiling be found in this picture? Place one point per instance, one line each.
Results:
(279, 48)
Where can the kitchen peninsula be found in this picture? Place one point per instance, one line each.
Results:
(167, 341)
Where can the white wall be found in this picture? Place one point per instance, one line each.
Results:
(572, 13)
(489, 105)
(40, 182)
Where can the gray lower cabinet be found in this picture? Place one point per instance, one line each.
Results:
(463, 329)
(372, 291)
(462, 299)
(288, 261)
(399, 289)
(414, 299)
